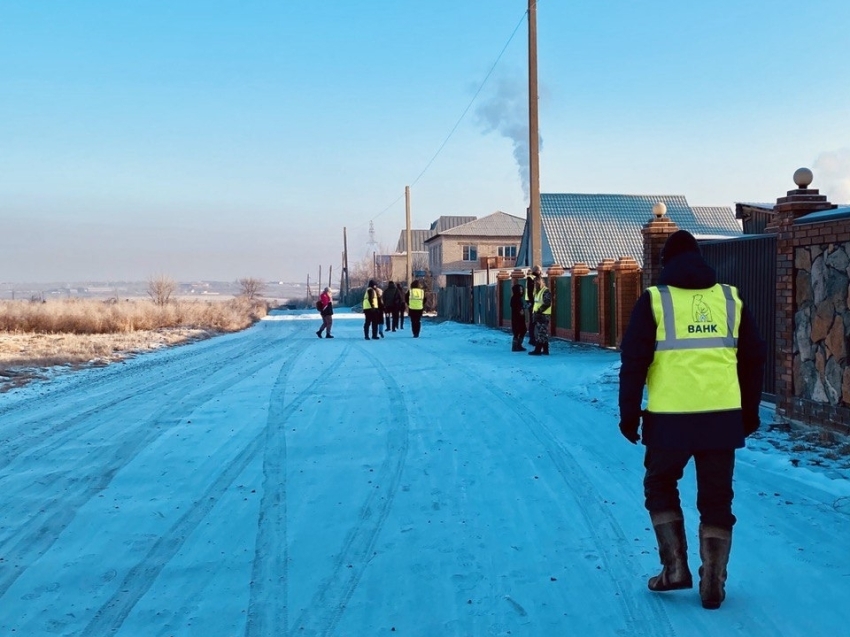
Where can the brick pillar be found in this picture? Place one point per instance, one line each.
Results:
(552, 274)
(605, 271)
(655, 234)
(801, 201)
(627, 276)
(579, 270)
(501, 276)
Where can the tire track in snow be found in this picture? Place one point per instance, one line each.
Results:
(138, 581)
(645, 619)
(329, 602)
(269, 601)
(31, 435)
(74, 487)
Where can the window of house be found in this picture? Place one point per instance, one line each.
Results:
(509, 252)
(470, 253)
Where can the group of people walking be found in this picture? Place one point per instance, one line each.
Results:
(385, 308)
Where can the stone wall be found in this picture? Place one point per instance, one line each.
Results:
(822, 324)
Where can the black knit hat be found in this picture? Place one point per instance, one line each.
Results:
(678, 243)
(372, 283)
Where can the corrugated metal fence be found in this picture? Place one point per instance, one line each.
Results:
(749, 263)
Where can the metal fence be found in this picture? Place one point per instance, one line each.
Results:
(749, 263)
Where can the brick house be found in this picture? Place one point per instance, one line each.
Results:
(491, 242)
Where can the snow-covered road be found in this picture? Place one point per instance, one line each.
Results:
(269, 483)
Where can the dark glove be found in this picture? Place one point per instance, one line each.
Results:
(629, 429)
(537, 317)
(751, 424)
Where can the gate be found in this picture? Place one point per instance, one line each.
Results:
(749, 263)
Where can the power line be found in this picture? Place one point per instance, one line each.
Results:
(460, 119)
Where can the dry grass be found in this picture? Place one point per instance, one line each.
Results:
(34, 336)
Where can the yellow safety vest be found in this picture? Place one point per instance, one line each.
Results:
(367, 304)
(417, 299)
(695, 368)
(538, 301)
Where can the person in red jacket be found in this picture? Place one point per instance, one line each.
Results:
(327, 311)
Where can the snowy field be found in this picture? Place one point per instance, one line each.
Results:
(270, 483)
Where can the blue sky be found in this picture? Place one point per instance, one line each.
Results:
(217, 140)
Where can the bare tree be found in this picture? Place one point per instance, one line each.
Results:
(252, 288)
(361, 272)
(160, 289)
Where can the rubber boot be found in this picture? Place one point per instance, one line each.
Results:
(715, 543)
(516, 347)
(546, 348)
(537, 351)
(675, 575)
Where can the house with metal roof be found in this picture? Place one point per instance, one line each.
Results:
(393, 267)
(490, 242)
(587, 228)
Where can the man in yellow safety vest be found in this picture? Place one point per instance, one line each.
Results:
(415, 307)
(695, 346)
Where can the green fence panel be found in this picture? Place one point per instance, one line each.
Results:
(506, 298)
(589, 305)
(564, 303)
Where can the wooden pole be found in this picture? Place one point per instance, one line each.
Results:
(534, 221)
(407, 237)
(345, 261)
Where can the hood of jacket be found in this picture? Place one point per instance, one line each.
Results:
(688, 270)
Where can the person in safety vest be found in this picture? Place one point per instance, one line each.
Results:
(370, 310)
(696, 347)
(541, 313)
(415, 298)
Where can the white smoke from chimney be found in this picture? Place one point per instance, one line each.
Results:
(506, 113)
(832, 175)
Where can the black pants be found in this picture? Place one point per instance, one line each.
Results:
(415, 321)
(327, 324)
(664, 469)
(372, 318)
(392, 319)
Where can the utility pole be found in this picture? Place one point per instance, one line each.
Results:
(535, 242)
(330, 274)
(407, 236)
(345, 260)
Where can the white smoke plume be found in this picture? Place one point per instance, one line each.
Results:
(832, 175)
(505, 112)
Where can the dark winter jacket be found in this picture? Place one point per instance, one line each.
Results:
(392, 298)
(693, 431)
(518, 326)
